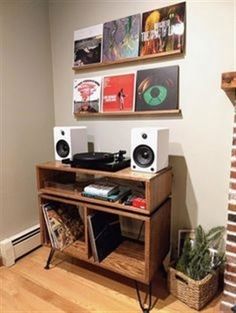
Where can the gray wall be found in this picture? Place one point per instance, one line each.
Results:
(31, 82)
(27, 115)
(200, 140)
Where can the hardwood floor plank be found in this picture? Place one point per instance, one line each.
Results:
(76, 289)
(67, 287)
(21, 295)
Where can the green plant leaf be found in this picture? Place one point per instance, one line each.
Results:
(215, 235)
(197, 260)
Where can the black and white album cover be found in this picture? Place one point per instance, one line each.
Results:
(87, 45)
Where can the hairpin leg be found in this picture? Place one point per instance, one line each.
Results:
(149, 296)
(49, 259)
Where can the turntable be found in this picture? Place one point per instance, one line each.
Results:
(103, 161)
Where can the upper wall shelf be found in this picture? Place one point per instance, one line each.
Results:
(128, 60)
(133, 113)
(228, 81)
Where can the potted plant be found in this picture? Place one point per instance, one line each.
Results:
(194, 277)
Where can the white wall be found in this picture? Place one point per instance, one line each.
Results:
(200, 140)
(27, 115)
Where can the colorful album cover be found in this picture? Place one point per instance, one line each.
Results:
(157, 89)
(163, 30)
(87, 45)
(64, 224)
(121, 38)
(87, 95)
(118, 93)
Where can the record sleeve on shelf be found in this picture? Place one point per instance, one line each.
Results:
(87, 95)
(121, 38)
(104, 234)
(45, 209)
(157, 89)
(118, 93)
(64, 224)
(163, 30)
(87, 45)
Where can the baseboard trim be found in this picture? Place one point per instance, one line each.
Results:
(19, 245)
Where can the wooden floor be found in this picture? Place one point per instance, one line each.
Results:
(67, 287)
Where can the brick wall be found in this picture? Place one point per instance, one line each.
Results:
(229, 293)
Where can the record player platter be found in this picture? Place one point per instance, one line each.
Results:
(94, 157)
(103, 161)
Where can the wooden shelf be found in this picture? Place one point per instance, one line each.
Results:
(228, 81)
(102, 65)
(127, 60)
(127, 259)
(134, 259)
(51, 172)
(75, 195)
(125, 173)
(138, 113)
(78, 250)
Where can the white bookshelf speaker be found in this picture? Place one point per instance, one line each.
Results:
(69, 141)
(149, 149)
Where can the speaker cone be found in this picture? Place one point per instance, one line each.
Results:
(143, 156)
(62, 148)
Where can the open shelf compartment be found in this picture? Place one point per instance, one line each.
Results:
(129, 258)
(80, 245)
(57, 179)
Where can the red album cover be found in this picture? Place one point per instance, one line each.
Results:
(118, 93)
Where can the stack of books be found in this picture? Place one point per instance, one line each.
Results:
(107, 191)
(102, 189)
(104, 234)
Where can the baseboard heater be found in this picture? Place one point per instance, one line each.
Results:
(18, 245)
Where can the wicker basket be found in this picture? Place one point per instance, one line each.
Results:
(196, 294)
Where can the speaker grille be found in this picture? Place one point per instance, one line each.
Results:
(62, 148)
(143, 156)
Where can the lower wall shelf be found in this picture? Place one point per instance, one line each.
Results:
(175, 112)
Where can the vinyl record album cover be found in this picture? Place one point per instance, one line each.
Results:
(87, 95)
(87, 45)
(118, 93)
(121, 38)
(64, 224)
(157, 89)
(104, 234)
(163, 30)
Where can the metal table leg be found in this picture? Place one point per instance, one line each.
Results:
(148, 298)
(49, 259)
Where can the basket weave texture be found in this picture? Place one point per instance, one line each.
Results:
(196, 294)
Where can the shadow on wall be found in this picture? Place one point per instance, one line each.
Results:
(184, 205)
